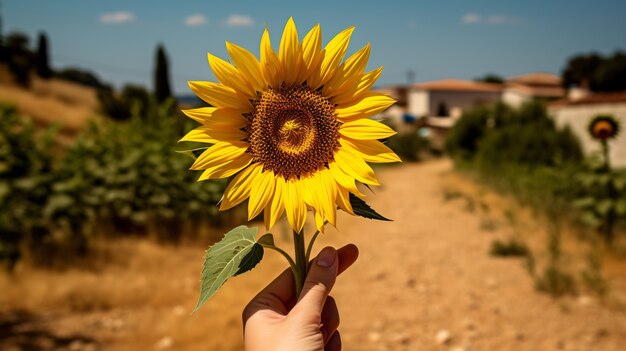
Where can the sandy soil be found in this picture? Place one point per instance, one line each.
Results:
(422, 282)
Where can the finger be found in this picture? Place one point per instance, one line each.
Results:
(330, 318)
(347, 256)
(283, 286)
(334, 343)
(318, 283)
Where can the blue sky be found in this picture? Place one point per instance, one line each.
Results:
(435, 39)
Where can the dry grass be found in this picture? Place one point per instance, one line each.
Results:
(53, 101)
(427, 270)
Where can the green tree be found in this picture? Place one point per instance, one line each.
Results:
(20, 58)
(491, 78)
(162, 89)
(43, 60)
(599, 73)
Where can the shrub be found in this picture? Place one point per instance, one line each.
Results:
(118, 177)
(408, 146)
(510, 248)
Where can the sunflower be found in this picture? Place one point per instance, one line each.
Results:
(293, 128)
(604, 127)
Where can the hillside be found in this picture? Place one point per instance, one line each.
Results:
(52, 101)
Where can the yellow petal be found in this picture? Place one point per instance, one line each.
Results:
(239, 188)
(370, 150)
(365, 129)
(261, 193)
(369, 106)
(343, 200)
(333, 54)
(247, 63)
(220, 153)
(204, 134)
(295, 208)
(219, 95)
(343, 179)
(290, 52)
(225, 170)
(230, 76)
(319, 221)
(213, 116)
(329, 194)
(271, 68)
(366, 82)
(275, 208)
(312, 50)
(354, 166)
(349, 72)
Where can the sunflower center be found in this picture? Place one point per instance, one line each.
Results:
(293, 131)
(603, 129)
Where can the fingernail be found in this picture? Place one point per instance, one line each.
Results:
(326, 258)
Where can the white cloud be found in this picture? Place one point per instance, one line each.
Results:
(501, 19)
(118, 17)
(236, 20)
(471, 18)
(197, 19)
(474, 18)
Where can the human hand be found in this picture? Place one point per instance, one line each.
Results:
(275, 321)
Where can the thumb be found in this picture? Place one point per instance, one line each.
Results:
(319, 282)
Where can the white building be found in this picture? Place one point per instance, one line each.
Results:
(439, 104)
(577, 113)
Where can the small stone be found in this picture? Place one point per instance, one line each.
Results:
(491, 282)
(585, 300)
(469, 324)
(402, 338)
(76, 345)
(165, 343)
(410, 283)
(443, 337)
(178, 310)
(374, 336)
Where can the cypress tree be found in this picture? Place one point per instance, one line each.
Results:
(43, 61)
(162, 89)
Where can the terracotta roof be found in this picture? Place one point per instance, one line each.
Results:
(537, 91)
(536, 78)
(599, 98)
(458, 85)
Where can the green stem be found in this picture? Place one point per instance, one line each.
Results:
(301, 262)
(292, 264)
(310, 248)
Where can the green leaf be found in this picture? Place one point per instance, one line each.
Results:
(584, 202)
(362, 209)
(227, 258)
(603, 207)
(620, 208)
(251, 259)
(267, 239)
(193, 153)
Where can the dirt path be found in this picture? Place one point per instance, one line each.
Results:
(423, 277)
(429, 271)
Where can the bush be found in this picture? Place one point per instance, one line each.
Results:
(532, 144)
(118, 177)
(408, 146)
(510, 248)
(80, 76)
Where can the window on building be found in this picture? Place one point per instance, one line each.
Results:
(442, 110)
